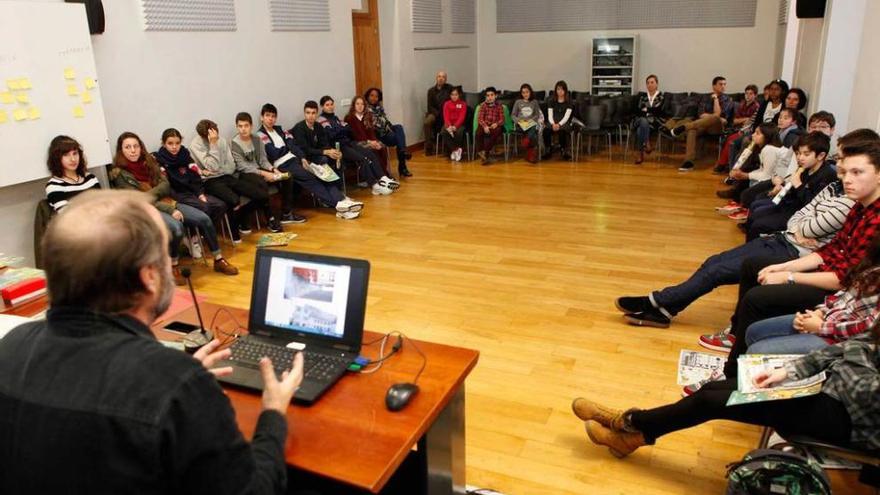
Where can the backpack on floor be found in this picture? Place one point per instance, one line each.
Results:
(771, 472)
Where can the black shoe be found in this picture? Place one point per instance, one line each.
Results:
(650, 318)
(687, 166)
(274, 226)
(726, 193)
(292, 218)
(566, 156)
(244, 228)
(403, 171)
(631, 304)
(407, 155)
(678, 131)
(721, 169)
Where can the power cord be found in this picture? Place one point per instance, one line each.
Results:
(395, 348)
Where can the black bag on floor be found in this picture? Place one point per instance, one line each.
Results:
(771, 472)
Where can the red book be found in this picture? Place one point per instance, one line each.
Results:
(24, 290)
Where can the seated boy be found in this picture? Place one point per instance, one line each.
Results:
(286, 156)
(490, 126)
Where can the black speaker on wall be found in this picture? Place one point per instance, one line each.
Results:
(809, 9)
(95, 14)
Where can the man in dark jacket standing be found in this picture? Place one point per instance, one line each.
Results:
(90, 401)
(437, 96)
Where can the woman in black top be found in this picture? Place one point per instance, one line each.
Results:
(560, 112)
(649, 116)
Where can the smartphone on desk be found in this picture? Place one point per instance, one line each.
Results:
(180, 327)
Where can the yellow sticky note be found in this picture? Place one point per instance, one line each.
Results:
(13, 84)
(78, 112)
(87, 97)
(3, 117)
(72, 90)
(19, 114)
(33, 113)
(24, 83)
(22, 97)
(6, 97)
(90, 83)
(69, 73)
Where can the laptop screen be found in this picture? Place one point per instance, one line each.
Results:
(309, 298)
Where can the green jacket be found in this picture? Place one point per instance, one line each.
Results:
(123, 179)
(508, 122)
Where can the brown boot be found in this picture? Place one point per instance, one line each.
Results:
(223, 266)
(178, 278)
(620, 444)
(588, 410)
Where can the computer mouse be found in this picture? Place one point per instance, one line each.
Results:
(399, 395)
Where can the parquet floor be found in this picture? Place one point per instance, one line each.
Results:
(523, 262)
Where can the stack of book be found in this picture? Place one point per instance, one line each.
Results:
(20, 285)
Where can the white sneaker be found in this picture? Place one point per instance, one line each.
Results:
(349, 204)
(389, 182)
(380, 189)
(457, 154)
(348, 215)
(195, 247)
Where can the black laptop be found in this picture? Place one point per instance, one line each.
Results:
(302, 302)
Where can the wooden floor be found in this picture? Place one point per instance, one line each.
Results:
(523, 262)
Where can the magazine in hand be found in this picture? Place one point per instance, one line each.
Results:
(323, 172)
(750, 365)
(694, 366)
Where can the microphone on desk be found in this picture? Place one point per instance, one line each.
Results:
(196, 339)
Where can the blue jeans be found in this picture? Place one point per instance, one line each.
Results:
(719, 269)
(643, 132)
(777, 336)
(195, 218)
(396, 138)
(175, 229)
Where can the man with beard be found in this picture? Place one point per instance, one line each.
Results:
(91, 402)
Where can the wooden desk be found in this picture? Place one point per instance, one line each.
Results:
(348, 435)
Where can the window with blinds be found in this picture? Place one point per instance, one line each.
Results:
(784, 5)
(300, 15)
(463, 16)
(427, 16)
(189, 15)
(581, 15)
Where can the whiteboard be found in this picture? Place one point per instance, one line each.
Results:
(48, 86)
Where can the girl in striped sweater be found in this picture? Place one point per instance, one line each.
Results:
(70, 176)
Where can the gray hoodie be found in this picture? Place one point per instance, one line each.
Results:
(216, 158)
(249, 159)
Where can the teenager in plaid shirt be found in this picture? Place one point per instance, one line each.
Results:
(843, 315)
(845, 412)
(490, 125)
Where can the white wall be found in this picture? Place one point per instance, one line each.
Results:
(154, 80)
(865, 105)
(684, 59)
(407, 73)
(842, 36)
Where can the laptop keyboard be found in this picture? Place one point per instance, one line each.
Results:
(316, 366)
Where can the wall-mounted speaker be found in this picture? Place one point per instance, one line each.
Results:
(809, 9)
(95, 14)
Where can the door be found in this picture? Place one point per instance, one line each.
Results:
(367, 55)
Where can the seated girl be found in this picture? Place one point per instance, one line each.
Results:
(845, 412)
(388, 133)
(134, 168)
(363, 129)
(529, 120)
(765, 146)
(454, 114)
(69, 170)
(184, 177)
(848, 312)
(559, 115)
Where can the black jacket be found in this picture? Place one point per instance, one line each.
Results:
(312, 141)
(437, 97)
(93, 404)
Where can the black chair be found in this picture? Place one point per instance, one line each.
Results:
(593, 117)
(472, 99)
